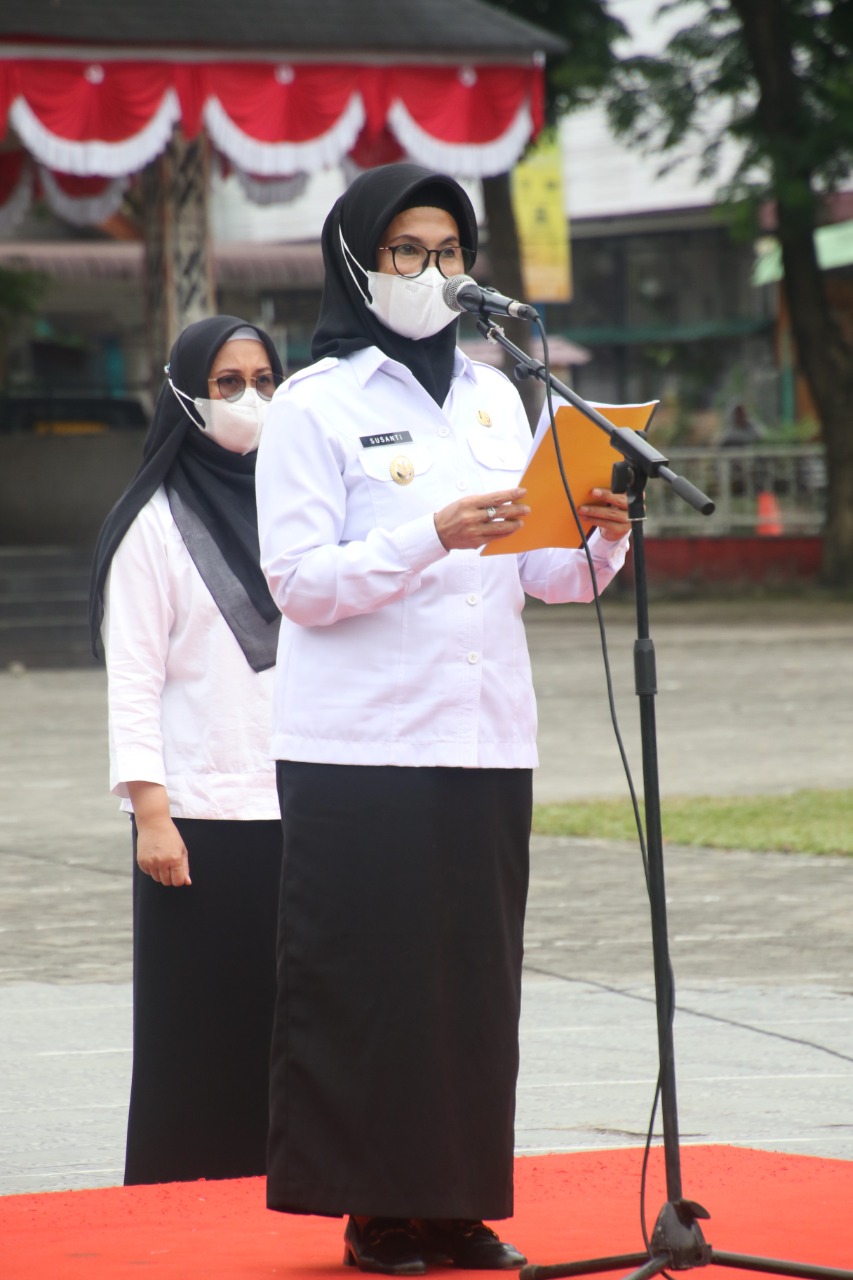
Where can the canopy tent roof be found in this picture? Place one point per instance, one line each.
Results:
(455, 29)
(95, 89)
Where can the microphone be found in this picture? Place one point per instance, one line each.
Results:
(461, 293)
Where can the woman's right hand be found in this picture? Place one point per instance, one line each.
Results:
(160, 851)
(470, 522)
(162, 854)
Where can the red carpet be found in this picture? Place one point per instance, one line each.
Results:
(568, 1208)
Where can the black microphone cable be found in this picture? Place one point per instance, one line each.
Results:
(669, 991)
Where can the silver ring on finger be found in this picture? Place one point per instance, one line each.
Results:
(491, 512)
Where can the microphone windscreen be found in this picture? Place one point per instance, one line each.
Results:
(451, 288)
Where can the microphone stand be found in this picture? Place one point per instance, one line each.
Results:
(677, 1241)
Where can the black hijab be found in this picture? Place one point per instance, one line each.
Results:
(211, 493)
(362, 214)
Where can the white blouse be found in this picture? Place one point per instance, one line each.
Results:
(185, 708)
(393, 650)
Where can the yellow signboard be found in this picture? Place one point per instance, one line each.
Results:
(540, 217)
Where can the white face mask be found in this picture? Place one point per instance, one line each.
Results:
(412, 306)
(233, 425)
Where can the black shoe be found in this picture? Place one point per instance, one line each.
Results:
(388, 1245)
(467, 1243)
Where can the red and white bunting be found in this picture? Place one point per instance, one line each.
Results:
(273, 120)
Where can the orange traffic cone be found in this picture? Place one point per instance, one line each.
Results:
(768, 522)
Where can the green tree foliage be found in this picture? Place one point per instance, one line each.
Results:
(590, 32)
(729, 66)
(774, 77)
(21, 292)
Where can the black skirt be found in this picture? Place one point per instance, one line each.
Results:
(203, 1000)
(395, 1046)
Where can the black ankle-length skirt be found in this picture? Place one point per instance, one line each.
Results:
(395, 1044)
(203, 999)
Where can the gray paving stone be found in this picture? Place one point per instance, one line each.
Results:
(753, 697)
(65, 1066)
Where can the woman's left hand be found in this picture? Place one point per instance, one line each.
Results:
(609, 513)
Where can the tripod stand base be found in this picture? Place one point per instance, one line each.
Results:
(778, 1267)
(590, 1267)
(677, 1244)
(644, 1266)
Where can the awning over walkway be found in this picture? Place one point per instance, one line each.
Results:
(562, 353)
(269, 266)
(692, 331)
(273, 266)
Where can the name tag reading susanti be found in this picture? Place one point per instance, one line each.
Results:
(386, 437)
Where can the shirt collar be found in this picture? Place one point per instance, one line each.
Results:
(463, 366)
(369, 360)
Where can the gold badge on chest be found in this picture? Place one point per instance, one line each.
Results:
(402, 469)
(483, 418)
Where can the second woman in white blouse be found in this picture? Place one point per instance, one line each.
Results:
(190, 636)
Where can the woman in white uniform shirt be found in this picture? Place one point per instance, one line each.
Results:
(404, 727)
(189, 631)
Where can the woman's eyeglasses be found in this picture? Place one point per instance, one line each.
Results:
(231, 385)
(413, 259)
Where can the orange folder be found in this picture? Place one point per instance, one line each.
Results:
(588, 459)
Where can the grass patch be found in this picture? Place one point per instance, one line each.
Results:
(799, 822)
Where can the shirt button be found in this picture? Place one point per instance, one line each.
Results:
(461, 484)
(473, 598)
(444, 431)
(473, 658)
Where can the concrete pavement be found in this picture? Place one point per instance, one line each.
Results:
(752, 697)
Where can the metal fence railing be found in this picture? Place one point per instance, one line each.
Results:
(767, 489)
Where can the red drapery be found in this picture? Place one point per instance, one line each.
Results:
(82, 201)
(108, 119)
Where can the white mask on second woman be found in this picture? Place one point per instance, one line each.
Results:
(412, 306)
(235, 425)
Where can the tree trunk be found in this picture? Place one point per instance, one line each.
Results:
(827, 362)
(823, 355)
(505, 264)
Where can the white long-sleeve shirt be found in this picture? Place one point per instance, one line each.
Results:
(393, 650)
(185, 708)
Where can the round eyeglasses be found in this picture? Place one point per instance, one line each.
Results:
(232, 385)
(413, 259)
